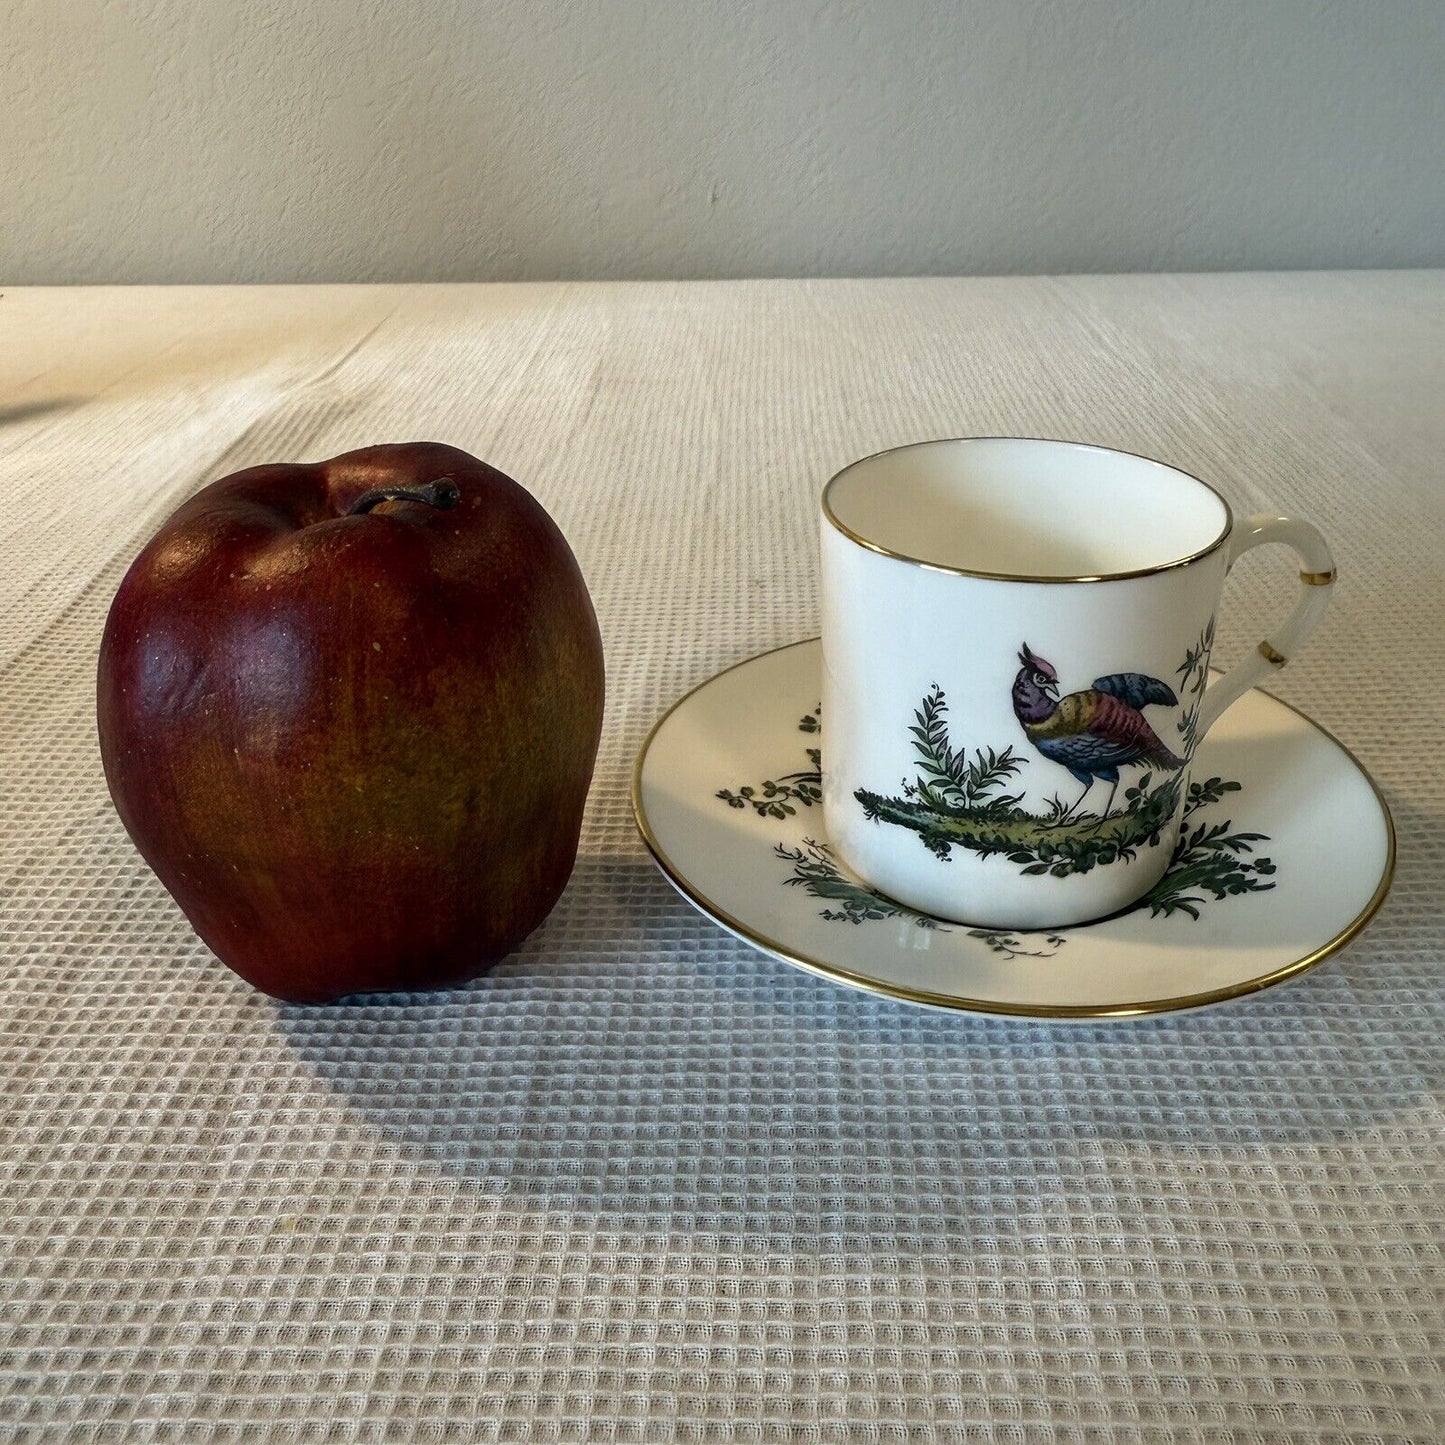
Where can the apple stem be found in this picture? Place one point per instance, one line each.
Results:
(443, 494)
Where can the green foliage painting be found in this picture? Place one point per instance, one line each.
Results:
(958, 798)
(960, 801)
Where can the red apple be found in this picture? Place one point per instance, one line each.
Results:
(349, 712)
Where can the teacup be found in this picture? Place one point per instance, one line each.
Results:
(1016, 647)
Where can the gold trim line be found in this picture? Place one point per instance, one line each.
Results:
(1275, 659)
(838, 525)
(991, 1006)
(1318, 579)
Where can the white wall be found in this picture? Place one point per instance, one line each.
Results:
(194, 140)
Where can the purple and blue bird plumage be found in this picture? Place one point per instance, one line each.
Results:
(1098, 730)
(1137, 689)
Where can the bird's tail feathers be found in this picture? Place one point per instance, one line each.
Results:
(1161, 757)
(1138, 689)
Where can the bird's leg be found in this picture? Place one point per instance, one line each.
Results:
(1112, 791)
(1068, 812)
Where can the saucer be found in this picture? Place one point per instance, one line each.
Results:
(1287, 851)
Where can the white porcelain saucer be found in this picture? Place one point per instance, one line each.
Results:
(1287, 852)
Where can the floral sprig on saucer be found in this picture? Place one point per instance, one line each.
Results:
(1011, 945)
(781, 797)
(816, 872)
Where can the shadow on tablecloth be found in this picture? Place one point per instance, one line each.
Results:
(635, 1062)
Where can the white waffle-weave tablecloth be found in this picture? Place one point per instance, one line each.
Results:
(644, 1184)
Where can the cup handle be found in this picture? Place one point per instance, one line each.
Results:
(1317, 585)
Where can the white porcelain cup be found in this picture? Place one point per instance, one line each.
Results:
(1016, 645)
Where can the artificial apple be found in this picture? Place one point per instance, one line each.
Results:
(349, 712)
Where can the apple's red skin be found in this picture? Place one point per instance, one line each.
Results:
(355, 749)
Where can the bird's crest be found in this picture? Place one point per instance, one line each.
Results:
(1033, 660)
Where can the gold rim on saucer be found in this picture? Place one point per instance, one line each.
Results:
(986, 1006)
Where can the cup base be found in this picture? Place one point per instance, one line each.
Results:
(1003, 897)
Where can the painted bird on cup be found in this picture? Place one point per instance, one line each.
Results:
(1094, 732)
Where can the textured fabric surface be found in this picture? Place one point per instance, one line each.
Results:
(643, 1184)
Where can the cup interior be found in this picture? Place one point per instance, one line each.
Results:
(1015, 507)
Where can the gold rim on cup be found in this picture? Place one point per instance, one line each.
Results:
(862, 541)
